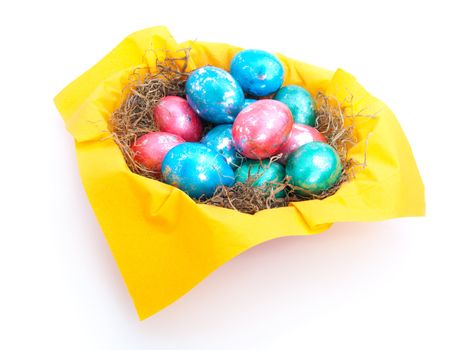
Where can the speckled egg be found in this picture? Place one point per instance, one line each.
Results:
(314, 167)
(248, 101)
(259, 73)
(151, 148)
(196, 169)
(262, 128)
(214, 95)
(220, 139)
(300, 102)
(299, 135)
(260, 172)
(173, 114)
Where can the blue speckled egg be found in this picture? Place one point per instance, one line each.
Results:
(248, 101)
(220, 139)
(314, 167)
(196, 169)
(259, 73)
(260, 173)
(214, 95)
(300, 102)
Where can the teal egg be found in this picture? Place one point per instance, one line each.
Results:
(219, 138)
(314, 167)
(300, 102)
(260, 173)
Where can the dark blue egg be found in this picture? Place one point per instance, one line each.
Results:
(300, 102)
(314, 167)
(260, 173)
(248, 101)
(220, 139)
(258, 72)
(196, 169)
(214, 95)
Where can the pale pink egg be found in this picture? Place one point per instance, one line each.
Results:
(173, 114)
(299, 135)
(150, 149)
(262, 128)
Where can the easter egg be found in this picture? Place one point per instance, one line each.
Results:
(300, 102)
(262, 128)
(260, 173)
(173, 114)
(259, 73)
(214, 95)
(248, 101)
(220, 139)
(314, 167)
(299, 135)
(196, 169)
(150, 149)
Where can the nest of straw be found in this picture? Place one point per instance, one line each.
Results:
(134, 118)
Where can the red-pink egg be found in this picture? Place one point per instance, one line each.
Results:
(151, 148)
(262, 128)
(299, 135)
(173, 114)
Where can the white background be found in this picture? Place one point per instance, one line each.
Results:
(399, 284)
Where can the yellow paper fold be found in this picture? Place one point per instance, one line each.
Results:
(163, 242)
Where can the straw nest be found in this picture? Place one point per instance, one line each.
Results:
(134, 118)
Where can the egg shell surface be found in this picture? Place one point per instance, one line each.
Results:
(151, 148)
(300, 102)
(262, 128)
(299, 135)
(260, 173)
(196, 169)
(220, 139)
(173, 114)
(214, 95)
(259, 72)
(314, 167)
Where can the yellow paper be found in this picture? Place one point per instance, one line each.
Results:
(163, 242)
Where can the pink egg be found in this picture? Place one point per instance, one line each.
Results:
(262, 128)
(299, 135)
(173, 114)
(150, 149)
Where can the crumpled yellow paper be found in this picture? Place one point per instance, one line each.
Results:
(164, 243)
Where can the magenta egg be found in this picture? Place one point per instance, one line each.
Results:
(299, 135)
(151, 148)
(262, 128)
(173, 114)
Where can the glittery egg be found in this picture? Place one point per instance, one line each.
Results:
(262, 128)
(259, 73)
(151, 148)
(299, 135)
(214, 95)
(196, 169)
(173, 114)
(314, 167)
(300, 102)
(220, 139)
(259, 173)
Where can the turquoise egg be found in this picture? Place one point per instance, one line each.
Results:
(219, 138)
(196, 169)
(260, 173)
(248, 101)
(314, 167)
(214, 95)
(259, 73)
(300, 102)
